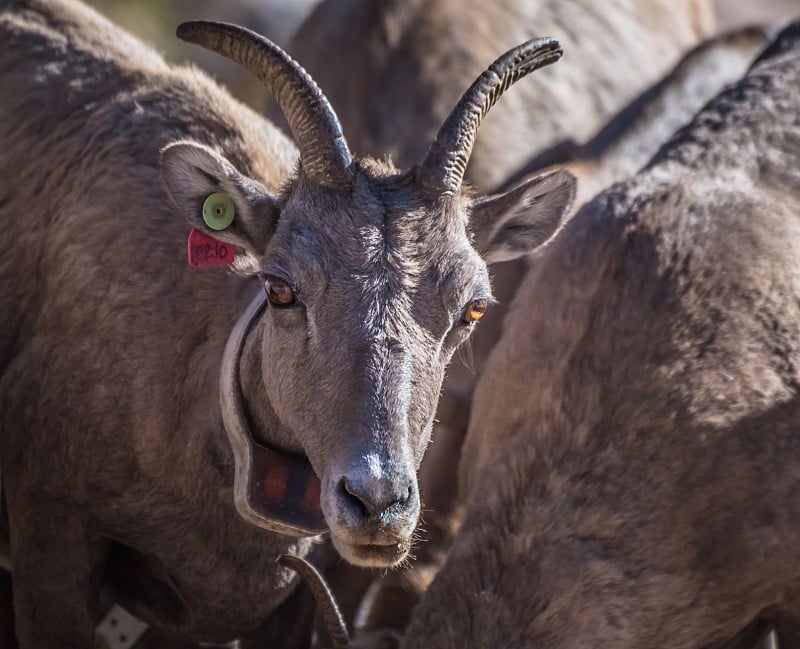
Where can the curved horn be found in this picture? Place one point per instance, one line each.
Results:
(443, 168)
(334, 622)
(315, 127)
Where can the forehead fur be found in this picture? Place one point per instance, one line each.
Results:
(382, 220)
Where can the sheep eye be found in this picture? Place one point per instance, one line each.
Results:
(279, 292)
(475, 310)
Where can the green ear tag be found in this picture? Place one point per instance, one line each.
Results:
(218, 211)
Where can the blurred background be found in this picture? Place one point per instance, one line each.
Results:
(154, 21)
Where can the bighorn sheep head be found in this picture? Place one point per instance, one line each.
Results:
(374, 277)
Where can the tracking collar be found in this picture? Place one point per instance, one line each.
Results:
(273, 490)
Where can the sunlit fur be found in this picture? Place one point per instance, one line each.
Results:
(115, 466)
(639, 485)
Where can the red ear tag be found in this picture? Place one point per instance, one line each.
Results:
(207, 251)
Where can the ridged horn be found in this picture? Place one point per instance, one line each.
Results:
(443, 168)
(334, 621)
(315, 127)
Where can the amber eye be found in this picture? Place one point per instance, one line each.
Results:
(278, 291)
(475, 310)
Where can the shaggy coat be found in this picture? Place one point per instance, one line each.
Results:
(634, 135)
(116, 466)
(631, 472)
(83, 344)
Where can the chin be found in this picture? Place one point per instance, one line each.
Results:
(370, 555)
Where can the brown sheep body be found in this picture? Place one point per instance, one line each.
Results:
(116, 465)
(629, 473)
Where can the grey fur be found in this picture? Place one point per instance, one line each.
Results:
(633, 136)
(114, 462)
(707, 69)
(639, 485)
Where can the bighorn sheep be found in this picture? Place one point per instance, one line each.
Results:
(622, 147)
(639, 485)
(116, 385)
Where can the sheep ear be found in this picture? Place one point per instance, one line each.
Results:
(516, 223)
(192, 172)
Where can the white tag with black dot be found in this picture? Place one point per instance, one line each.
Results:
(119, 629)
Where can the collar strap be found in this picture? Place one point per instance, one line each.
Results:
(277, 491)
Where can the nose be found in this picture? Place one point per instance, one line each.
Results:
(371, 497)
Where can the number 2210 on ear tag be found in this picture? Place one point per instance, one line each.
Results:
(207, 251)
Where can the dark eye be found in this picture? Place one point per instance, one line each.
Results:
(475, 310)
(279, 292)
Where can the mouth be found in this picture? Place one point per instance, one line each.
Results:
(373, 555)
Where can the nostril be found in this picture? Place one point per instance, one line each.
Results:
(350, 495)
(405, 497)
